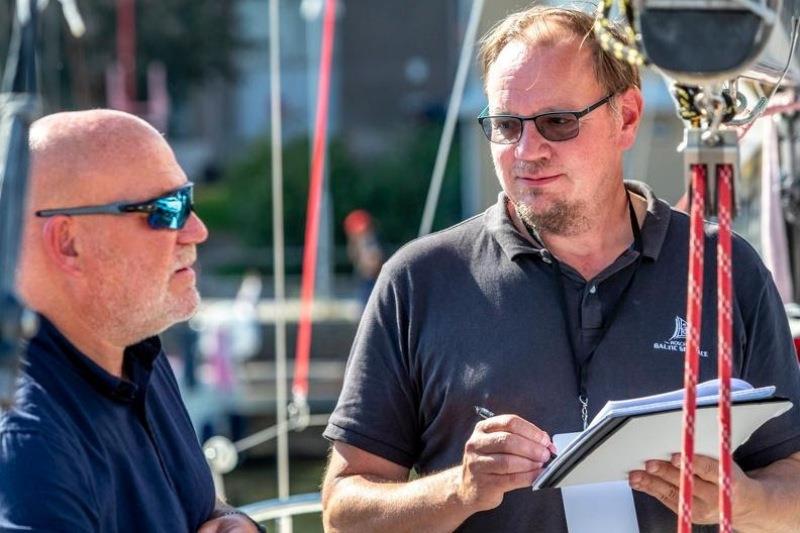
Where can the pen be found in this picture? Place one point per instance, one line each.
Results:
(483, 412)
(486, 413)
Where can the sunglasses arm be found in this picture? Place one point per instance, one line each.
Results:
(112, 209)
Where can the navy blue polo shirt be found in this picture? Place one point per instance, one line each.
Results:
(82, 450)
(471, 315)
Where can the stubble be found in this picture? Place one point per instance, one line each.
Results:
(562, 218)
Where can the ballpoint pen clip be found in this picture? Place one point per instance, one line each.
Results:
(483, 412)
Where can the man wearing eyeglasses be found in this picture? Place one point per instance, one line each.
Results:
(98, 439)
(557, 299)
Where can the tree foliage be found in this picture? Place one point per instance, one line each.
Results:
(392, 189)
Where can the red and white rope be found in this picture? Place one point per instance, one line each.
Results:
(724, 340)
(694, 308)
(724, 179)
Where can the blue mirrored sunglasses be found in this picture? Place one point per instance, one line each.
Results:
(168, 211)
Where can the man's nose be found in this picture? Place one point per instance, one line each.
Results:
(531, 144)
(194, 231)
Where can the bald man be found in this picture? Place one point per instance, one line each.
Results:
(99, 439)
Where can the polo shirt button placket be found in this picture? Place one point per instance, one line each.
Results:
(546, 256)
(593, 289)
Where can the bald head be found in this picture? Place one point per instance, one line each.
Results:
(106, 280)
(77, 156)
(85, 158)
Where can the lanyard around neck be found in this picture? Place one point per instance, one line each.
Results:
(582, 364)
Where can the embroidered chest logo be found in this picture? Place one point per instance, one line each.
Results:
(677, 342)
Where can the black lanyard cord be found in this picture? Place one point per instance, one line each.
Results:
(582, 365)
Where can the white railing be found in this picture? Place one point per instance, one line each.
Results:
(274, 509)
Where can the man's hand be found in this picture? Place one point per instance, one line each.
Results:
(504, 453)
(662, 479)
(232, 523)
(365, 492)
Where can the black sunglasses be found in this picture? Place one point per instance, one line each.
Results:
(553, 126)
(168, 211)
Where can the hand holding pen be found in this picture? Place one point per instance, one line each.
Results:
(504, 453)
(486, 413)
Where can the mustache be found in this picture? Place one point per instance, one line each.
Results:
(187, 258)
(529, 167)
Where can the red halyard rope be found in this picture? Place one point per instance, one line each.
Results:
(694, 309)
(303, 351)
(724, 340)
(724, 179)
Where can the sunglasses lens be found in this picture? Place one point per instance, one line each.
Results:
(503, 130)
(171, 212)
(557, 126)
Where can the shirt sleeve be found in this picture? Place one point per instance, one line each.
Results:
(41, 487)
(771, 359)
(378, 407)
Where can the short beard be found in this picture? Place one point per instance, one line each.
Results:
(122, 315)
(562, 218)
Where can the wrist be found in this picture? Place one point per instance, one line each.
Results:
(460, 494)
(748, 518)
(454, 505)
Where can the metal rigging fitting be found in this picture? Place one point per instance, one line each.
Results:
(699, 45)
(712, 151)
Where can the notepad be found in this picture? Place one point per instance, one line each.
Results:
(626, 433)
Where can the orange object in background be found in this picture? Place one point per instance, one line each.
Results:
(357, 222)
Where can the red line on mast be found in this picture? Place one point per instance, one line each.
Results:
(303, 351)
(126, 49)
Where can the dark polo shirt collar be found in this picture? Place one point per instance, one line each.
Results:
(137, 364)
(654, 230)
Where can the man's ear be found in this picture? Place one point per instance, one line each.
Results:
(630, 109)
(60, 243)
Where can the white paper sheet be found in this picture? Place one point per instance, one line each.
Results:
(597, 507)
